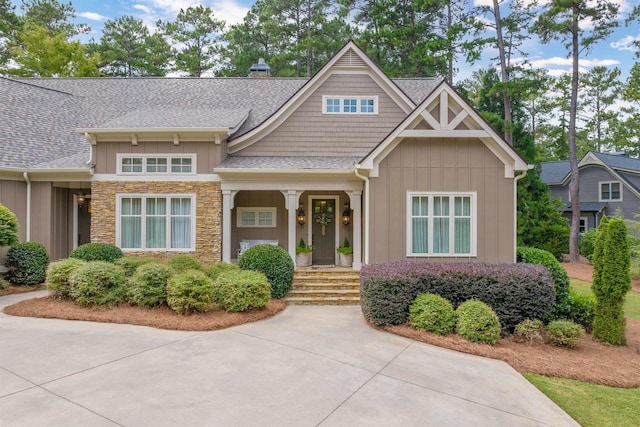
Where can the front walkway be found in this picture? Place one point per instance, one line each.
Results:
(308, 366)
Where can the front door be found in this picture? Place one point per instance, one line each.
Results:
(323, 231)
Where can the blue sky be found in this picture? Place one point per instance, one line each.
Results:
(616, 51)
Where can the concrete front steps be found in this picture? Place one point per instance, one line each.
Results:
(325, 287)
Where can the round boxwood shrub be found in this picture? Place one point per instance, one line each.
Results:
(530, 331)
(98, 283)
(182, 263)
(563, 333)
(59, 273)
(477, 322)
(213, 271)
(190, 292)
(8, 227)
(96, 252)
(27, 263)
(274, 262)
(131, 263)
(148, 285)
(242, 290)
(432, 313)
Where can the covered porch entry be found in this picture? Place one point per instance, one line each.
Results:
(323, 214)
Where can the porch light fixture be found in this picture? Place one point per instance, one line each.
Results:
(301, 215)
(80, 199)
(346, 215)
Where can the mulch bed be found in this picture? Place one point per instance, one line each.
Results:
(162, 317)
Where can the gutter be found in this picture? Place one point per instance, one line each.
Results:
(365, 236)
(25, 175)
(515, 211)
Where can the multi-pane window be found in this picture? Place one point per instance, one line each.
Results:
(256, 217)
(441, 224)
(350, 105)
(584, 224)
(165, 164)
(152, 222)
(610, 191)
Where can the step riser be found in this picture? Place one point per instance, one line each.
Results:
(323, 303)
(319, 296)
(325, 288)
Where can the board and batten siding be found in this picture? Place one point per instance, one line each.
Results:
(456, 165)
(13, 195)
(208, 154)
(309, 132)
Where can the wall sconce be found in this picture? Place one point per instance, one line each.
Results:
(80, 199)
(301, 215)
(346, 215)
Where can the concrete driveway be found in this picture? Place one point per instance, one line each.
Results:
(308, 366)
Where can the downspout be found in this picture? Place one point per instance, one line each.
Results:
(365, 236)
(26, 178)
(515, 212)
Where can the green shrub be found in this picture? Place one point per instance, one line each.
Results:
(96, 252)
(8, 227)
(131, 263)
(564, 333)
(530, 331)
(27, 263)
(583, 309)
(558, 274)
(4, 284)
(274, 262)
(587, 242)
(302, 247)
(432, 313)
(98, 283)
(190, 292)
(242, 290)
(477, 322)
(213, 271)
(59, 273)
(148, 285)
(182, 263)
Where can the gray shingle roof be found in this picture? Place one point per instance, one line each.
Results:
(287, 162)
(554, 172)
(619, 161)
(39, 117)
(587, 207)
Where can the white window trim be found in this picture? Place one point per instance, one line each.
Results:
(474, 224)
(144, 158)
(257, 210)
(358, 98)
(600, 191)
(120, 196)
(586, 223)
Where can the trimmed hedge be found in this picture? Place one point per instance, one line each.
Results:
(514, 291)
(96, 252)
(59, 273)
(477, 322)
(148, 285)
(583, 309)
(190, 292)
(432, 313)
(130, 263)
(242, 290)
(274, 262)
(560, 277)
(27, 263)
(183, 263)
(98, 283)
(563, 333)
(213, 271)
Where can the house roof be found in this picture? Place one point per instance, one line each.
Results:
(232, 163)
(554, 172)
(40, 117)
(587, 207)
(558, 172)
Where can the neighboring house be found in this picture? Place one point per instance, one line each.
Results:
(609, 183)
(403, 168)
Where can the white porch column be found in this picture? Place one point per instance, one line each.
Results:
(227, 205)
(292, 206)
(355, 198)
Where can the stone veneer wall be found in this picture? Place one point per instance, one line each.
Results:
(208, 214)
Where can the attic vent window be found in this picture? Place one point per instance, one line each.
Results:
(349, 104)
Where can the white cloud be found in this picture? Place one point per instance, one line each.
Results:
(483, 3)
(229, 11)
(93, 16)
(558, 61)
(142, 8)
(626, 43)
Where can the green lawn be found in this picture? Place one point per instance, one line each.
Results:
(631, 303)
(592, 404)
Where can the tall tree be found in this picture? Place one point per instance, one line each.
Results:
(9, 25)
(195, 35)
(37, 53)
(626, 129)
(601, 88)
(128, 49)
(55, 16)
(561, 20)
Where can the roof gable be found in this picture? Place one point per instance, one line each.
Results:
(445, 114)
(350, 59)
